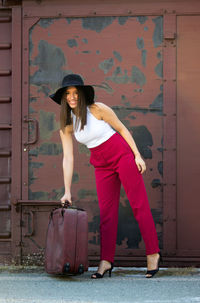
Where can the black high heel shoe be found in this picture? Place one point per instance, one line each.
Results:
(97, 275)
(152, 272)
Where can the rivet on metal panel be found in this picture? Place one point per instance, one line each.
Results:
(164, 80)
(25, 184)
(164, 45)
(25, 49)
(174, 80)
(25, 82)
(94, 13)
(59, 14)
(25, 149)
(129, 12)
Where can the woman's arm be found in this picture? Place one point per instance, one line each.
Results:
(104, 112)
(68, 162)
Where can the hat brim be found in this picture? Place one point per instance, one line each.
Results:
(88, 90)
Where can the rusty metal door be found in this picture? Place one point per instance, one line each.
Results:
(188, 125)
(122, 58)
(5, 134)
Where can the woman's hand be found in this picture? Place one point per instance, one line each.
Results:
(66, 198)
(140, 164)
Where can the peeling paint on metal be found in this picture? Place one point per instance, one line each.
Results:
(122, 20)
(50, 149)
(125, 101)
(31, 110)
(46, 22)
(105, 86)
(143, 139)
(31, 46)
(144, 57)
(50, 61)
(155, 183)
(138, 90)
(83, 149)
(160, 167)
(138, 76)
(39, 195)
(31, 166)
(46, 90)
(159, 55)
(122, 113)
(117, 56)
(32, 99)
(93, 227)
(69, 20)
(146, 28)
(140, 43)
(106, 65)
(86, 52)
(158, 219)
(118, 76)
(158, 31)
(47, 124)
(141, 110)
(72, 43)
(56, 194)
(75, 177)
(85, 40)
(84, 193)
(159, 69)
(97, 52)
(158, 102)
(131, 235)
(142, 19)
(97, 23)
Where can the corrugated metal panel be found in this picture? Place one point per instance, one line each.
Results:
(5, 134)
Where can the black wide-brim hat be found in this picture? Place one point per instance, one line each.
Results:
(74, 80)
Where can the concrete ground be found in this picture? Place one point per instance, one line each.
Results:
(33, 285)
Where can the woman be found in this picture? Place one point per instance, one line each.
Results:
(116, 159)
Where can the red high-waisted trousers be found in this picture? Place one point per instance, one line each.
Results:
(114, 164)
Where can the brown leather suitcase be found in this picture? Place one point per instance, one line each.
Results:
(67, 241)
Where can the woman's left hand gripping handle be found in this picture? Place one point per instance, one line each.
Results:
(66, 198)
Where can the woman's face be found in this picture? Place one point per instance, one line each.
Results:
(71, 95)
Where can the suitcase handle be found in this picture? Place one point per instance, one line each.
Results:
(67, 206)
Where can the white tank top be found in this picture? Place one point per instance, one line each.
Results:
(95, 132)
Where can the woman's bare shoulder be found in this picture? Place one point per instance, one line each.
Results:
(98, 108)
